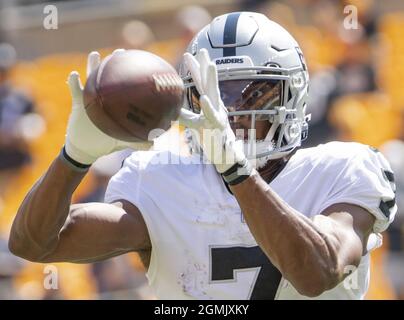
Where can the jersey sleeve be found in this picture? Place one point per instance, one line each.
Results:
(129, 184)
(124, 185)
(366, 180)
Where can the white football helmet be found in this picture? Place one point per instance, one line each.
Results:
(262, 75)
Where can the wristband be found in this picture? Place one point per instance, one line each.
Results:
(77, 166)
(239, 172)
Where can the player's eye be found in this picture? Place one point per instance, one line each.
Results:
(252, 97)
(257, 94)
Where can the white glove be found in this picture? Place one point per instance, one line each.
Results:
(219, 146)
(85, 143)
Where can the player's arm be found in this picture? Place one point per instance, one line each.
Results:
(48, 229)
(311, 254)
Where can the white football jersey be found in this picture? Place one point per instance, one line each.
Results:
(201, 246)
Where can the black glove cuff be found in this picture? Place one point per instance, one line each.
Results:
(77, 166)
(239, 172)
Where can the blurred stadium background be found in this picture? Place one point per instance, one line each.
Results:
(357, 93)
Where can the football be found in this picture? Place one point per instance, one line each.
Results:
(131, 93)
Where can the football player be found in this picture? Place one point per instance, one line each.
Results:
(267, 222)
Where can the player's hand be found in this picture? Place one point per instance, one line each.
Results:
(85, 143)
(222, 149)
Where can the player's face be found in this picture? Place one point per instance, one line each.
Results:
(248, 95)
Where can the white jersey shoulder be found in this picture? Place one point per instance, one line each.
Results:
(352, 173)
(202, 247)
